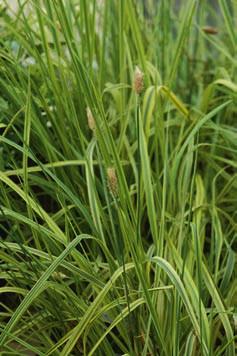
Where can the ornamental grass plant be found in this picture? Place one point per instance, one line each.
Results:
(118, 180)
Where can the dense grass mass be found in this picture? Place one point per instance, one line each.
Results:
(118, 200)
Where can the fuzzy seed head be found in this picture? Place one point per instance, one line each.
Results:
(138, 82)
(112, 181)
(90, 119)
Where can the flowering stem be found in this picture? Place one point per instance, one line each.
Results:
(138, 169)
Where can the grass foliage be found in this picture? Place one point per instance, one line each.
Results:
(118, 208)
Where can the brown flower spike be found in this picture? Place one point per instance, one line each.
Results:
(138, 83)
(90, 119)
(112, 181)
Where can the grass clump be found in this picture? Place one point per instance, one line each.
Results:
(118, 178)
